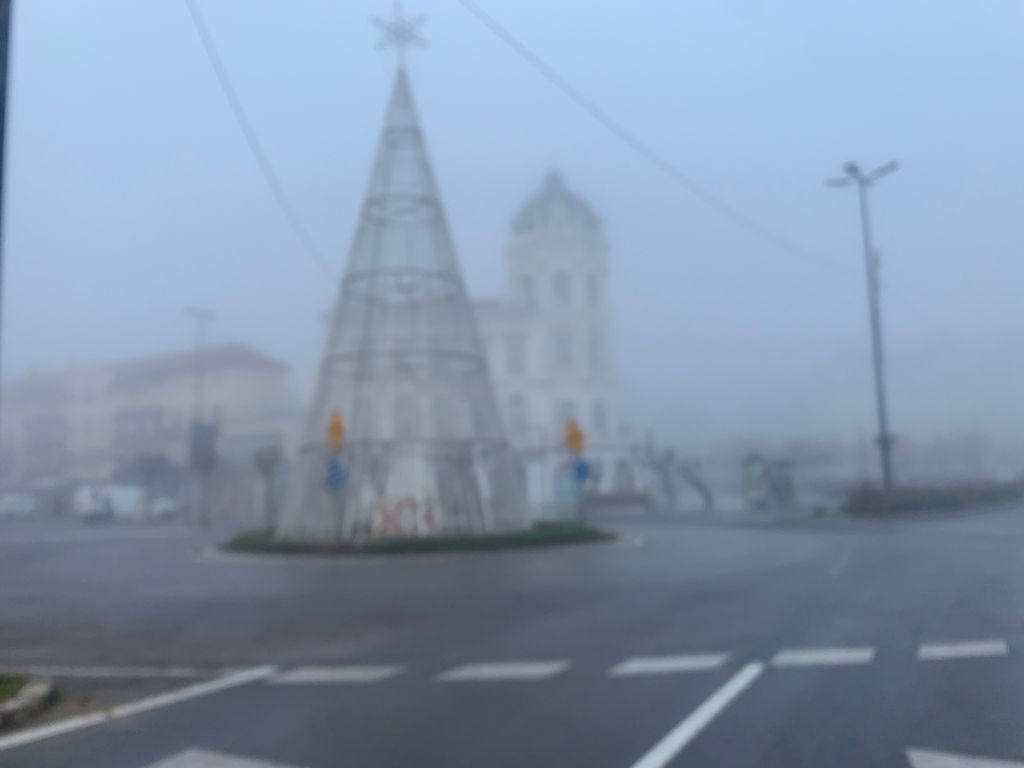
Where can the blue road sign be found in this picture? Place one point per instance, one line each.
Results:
(335, 474)
(580, 470)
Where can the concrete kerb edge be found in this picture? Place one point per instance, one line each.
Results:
(34, 696)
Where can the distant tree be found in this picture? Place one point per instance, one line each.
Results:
(156, 473)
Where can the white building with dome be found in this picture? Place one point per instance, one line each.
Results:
(547, 341)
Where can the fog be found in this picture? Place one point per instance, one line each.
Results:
(132, 192)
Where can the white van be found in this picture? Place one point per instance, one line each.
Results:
(110, 502)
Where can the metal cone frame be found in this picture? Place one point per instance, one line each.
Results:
(424, 451)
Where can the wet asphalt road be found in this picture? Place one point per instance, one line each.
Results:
(825, 643)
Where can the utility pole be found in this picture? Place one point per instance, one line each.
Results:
(864, 182)
(5, 37)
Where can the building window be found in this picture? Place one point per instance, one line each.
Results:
(362, 419)
(527, 292)
(593, 289)
(515, 355)
(599, 417)
(596, 351)
(406, 418)
(561, 351)
(560, 283)
(444, 417)
(565, 411)
(517, 418)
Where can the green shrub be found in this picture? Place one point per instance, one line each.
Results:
(541, 534)
(870, 500)
(10, 685)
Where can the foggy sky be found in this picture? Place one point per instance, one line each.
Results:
(132, 193)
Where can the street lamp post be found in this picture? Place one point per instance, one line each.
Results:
(864, 182)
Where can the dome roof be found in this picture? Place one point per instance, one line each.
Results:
(555, 202)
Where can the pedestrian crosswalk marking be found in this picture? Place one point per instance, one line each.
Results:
(667, 665)
(975, 649)
(503, 670)
(336, 675)
(201, 758)
(823, 657)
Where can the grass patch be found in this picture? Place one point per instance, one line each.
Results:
(869, 500)
(541, 534)
(10, 685)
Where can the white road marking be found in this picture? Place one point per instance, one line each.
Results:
(823, 657)
(192, 691)
(975, 649)
(336, 675)
(201, 758)
(30, 735)
(128, 672)
(503, 670)
(926, 758)
(676, 740)
(667, 665)
(39, 733)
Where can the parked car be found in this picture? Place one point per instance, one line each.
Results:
(163, 508)
(127, 502)
(92, 504)
(20, 504)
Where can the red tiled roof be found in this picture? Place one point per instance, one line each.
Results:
(143, 373)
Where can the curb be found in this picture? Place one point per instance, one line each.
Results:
(29, 702)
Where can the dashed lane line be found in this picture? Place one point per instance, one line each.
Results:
(337, 675)
(675, 741)
(503, 670)
(974, 649)
(668, 665)
(823, 657)
(636, 666)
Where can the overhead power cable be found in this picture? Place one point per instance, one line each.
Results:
(640, 147)
(253, 141)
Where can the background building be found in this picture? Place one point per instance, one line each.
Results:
(548, 345)
(87, 421)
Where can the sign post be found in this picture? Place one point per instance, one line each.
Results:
(574, 441)
(335, 479)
